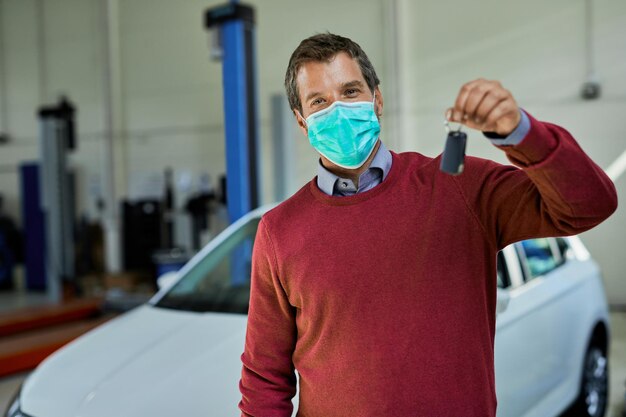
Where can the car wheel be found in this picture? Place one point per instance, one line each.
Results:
(593, 397)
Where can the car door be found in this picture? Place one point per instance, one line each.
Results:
(528, 349)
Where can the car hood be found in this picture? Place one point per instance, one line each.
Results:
(148, 362)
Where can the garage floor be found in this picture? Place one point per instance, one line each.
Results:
(617, 356)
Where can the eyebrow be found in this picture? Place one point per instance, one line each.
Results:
(355, 83)
(349, 84)
(311, 95)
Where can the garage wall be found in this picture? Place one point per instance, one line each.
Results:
(171, 106)
(536, 49)
(171, 95)
(21, 89)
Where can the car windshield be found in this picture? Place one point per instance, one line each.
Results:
(220, 281)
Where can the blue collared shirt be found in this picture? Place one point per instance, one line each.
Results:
(333, 185)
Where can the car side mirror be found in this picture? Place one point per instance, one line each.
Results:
(167, 280)
(503, 300)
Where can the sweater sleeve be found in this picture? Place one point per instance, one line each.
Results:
(559, 190)
(268, 381)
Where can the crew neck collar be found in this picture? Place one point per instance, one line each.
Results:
(391, 177)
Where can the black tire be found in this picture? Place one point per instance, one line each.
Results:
(593, 397)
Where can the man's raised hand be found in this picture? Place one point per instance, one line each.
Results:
(487, 106)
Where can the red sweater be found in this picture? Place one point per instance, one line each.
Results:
(385, 301)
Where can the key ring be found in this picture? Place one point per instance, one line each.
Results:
(446, 124)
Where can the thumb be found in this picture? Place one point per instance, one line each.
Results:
(456, 116)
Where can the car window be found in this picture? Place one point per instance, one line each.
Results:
(564, 248)
(503, 274)
(220, 282)
(539, 257)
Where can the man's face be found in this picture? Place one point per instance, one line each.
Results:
(320, 84)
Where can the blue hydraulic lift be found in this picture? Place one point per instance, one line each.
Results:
(232, 26)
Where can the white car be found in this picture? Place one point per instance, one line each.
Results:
(179, 354)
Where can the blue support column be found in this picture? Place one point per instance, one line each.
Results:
(237, 149)
(235, 26)
(235, 32)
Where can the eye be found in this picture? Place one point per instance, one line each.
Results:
(317, 101)
(351, 92)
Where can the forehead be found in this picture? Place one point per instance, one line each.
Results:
(326, 75)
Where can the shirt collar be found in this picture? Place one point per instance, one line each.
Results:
(326, 180)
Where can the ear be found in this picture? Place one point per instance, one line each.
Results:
(301, 122)
(378, 103)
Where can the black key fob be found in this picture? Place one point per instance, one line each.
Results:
(453, 158)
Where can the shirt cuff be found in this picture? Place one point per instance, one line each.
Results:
(516, 136)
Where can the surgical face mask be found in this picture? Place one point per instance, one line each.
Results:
(345, 132)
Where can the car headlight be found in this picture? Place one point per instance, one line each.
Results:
(15, 408)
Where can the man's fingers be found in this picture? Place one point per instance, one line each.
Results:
(459, 104)
(485, 105)
(494, 119)
(453, 116)
(490, 101)
(468, 103)
(480, 93)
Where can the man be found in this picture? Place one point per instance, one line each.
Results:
(377, 280)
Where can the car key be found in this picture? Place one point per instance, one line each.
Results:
(453, 158)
